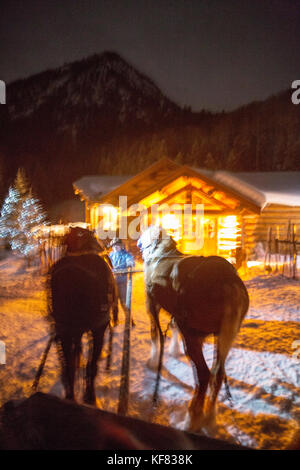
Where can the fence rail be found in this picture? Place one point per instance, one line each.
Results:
(282, 253)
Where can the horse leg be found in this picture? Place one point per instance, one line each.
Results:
(216, 379)
(96, 344)
(194, 345)
(229, 329)
(174, 348)
(77, 356)
(156, 336)
(153, 360)
(68, 366)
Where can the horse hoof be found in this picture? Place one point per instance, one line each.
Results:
(193, 426)
(187, 422)
(209, 425)
(96, 403)
(89, 400)
(70, 397)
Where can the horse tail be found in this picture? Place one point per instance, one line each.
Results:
(160, 361)
(235, 308)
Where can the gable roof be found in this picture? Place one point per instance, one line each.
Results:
(161, 174)
(132, 185)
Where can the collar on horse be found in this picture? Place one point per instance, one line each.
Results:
(170, 254)
(165, 252)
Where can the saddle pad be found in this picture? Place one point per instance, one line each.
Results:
(210, 268)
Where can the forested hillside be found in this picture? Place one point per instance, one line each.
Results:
(100, 115)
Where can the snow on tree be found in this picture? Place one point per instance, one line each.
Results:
(20, 213)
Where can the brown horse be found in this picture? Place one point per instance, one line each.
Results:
(205, 296)
(82, 295)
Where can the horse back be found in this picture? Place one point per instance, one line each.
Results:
(80, 291)
(204, 270)
(205, 287)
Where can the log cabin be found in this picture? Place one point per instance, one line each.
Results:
(238, 208)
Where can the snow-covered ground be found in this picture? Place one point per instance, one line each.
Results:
(263, 366)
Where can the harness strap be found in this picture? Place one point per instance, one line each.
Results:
(80, 253)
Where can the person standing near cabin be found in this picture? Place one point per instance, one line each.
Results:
(121, 260)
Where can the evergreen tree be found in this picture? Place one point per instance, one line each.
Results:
(179, 158)
(9, 215)
(210, 162)
(20, 213)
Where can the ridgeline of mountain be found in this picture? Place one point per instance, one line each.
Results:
(100, 115)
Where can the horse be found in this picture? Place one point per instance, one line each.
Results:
(204, 295)
(82, 298)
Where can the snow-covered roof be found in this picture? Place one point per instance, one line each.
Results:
(94, 187)
(261, 188)
(282, 187)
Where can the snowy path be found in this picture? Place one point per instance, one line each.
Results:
(264, 376)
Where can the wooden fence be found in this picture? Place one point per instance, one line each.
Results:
(281, 253)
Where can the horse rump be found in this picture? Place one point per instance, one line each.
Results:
(80, 292)
(205, 286)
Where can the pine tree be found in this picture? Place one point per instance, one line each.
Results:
(9, 215)
(210, 162)
(20, 213)
(179, 158)
(21, 183)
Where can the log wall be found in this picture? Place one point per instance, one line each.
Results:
(275, 216)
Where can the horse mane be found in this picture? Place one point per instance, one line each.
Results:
(156, 243)
(80, 240)
(166, 246)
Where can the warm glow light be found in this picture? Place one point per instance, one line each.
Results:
(228, 233)
(110, 217)
(47, 230)
(154, 198)
(93, 216)
(170, 221)
(251, 264)
(58, 230)
(171, 224)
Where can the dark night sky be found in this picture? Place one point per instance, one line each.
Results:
(210, 54)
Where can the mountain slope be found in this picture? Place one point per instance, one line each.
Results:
(105, 83)
(55, 119)
(100, 115)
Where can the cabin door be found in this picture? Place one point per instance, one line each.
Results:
(210, 236)
(207, 244)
